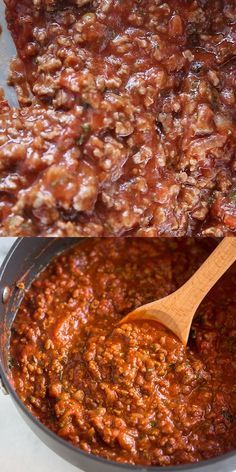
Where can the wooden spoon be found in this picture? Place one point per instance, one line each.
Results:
(176, 311)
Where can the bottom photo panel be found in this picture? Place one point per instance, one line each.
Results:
(118, 353)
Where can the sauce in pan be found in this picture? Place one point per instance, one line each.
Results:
(131, 393)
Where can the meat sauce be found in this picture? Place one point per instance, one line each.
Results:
(127, 119)
(131, 393)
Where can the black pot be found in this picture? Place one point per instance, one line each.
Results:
(27, 257)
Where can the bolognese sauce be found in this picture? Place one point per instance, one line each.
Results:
(127, 119)
(130, 393)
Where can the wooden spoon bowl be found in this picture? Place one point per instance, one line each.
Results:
(176, 311)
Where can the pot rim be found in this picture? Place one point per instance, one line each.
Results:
(92, 457)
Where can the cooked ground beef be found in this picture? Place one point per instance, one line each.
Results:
(142, 94)
(131, 393)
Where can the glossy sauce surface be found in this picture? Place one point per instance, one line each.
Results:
(127, 123)
(132, 393)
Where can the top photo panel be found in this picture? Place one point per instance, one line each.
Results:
(117, 118)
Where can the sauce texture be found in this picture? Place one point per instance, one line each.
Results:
(132, 393)
(127, 119)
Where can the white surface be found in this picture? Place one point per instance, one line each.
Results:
(20, 449)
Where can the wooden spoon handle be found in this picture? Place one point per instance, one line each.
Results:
(195, 289)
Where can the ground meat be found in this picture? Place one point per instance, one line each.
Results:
(131, 393)
(150, 88)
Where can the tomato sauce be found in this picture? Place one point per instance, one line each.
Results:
(127, 119)
(131, 393)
